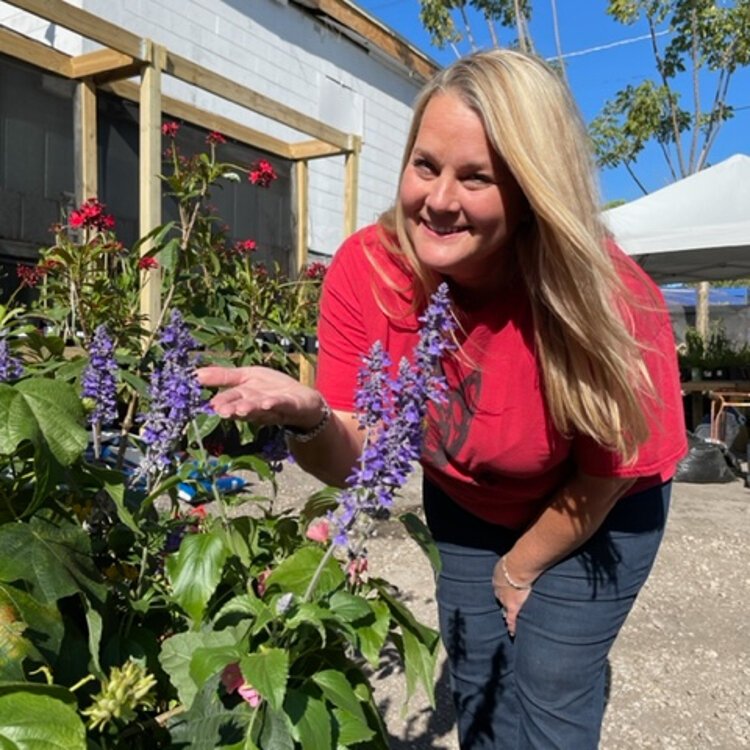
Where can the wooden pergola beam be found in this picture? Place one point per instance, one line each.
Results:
(205, 119)
(23, 48)
(86, 24)
(305, 150)
(197, 75)
(101, 61)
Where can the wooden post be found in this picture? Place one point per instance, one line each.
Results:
(84, 130)
(149, 170)
(301, 184)
(351, 187)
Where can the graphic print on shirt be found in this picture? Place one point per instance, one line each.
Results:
(449, 425)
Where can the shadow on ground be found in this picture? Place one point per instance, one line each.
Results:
(423, 729)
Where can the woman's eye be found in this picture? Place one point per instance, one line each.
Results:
(482, 179)
(423, 165)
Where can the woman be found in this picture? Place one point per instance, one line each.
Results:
(547, 474)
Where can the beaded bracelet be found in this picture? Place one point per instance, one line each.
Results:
(513, 584)
(305, 436)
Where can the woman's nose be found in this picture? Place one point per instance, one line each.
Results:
(443, 195)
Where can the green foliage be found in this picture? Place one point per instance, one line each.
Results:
(714, 351)
(437, 16)
(128, 620)
(708, 42)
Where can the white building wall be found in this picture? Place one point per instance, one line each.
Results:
(285, 54)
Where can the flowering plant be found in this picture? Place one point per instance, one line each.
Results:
(131, 620)
(142, 605)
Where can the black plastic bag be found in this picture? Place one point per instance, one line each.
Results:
(707, 463)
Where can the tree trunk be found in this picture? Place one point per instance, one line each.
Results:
(701, 309)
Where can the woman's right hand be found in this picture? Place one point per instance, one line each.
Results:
(262, 396)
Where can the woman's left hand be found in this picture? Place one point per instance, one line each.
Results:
(511, 599)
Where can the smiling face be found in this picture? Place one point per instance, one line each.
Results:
(461, 205)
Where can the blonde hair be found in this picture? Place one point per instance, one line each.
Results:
(594, 376)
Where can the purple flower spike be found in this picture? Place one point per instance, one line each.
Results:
(100, 378)
(393, 411)
(174, 396)
(10, 367)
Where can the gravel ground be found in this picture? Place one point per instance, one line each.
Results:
(680, 670)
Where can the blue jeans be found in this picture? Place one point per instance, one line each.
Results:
(544, 689)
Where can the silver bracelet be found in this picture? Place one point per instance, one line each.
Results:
(513, 584)
(299, 435)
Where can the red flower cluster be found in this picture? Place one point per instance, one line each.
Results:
(147, 262)
(245, 246)
(262, 173)
(91, 216)
(29, 275)
(170, 129)
(215, 138)
(315, 271)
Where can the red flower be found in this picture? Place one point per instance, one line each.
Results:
(234, 682)
(260, 581)
(147, 262)
(356, 569)
(199, 511)
(90, 215)
(245, 246)
(262, 173)
(29, 275)
(315, 271)
(214, 138)
(170, 129)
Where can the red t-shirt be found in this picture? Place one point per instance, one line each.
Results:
(493, 447)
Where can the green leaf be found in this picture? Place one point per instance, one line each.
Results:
(252, 463)
(296, 572)
(245, 604)
(276, 731)
(419, 663)
(24, 622)
(114, 485)
(312, 614)
(53, 556)
(419, 532)
(195, 572)
(45, 412)
(337, 690)
(176, 653)
(310, 719)
(208, 724)
(207, 661)
(352, 730)
(320, 503)
(350, 607)
(371, 637)
(417, 644)
(33, 720)
(267, 672)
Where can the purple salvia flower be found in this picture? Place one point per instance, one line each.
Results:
(99, 380)
(370, 401)
(10, 366)
(275, 450)
(394, 412)
(174, 397)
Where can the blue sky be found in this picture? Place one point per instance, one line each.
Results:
(594, 76)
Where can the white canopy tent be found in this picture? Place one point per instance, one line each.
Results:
(697, 229)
